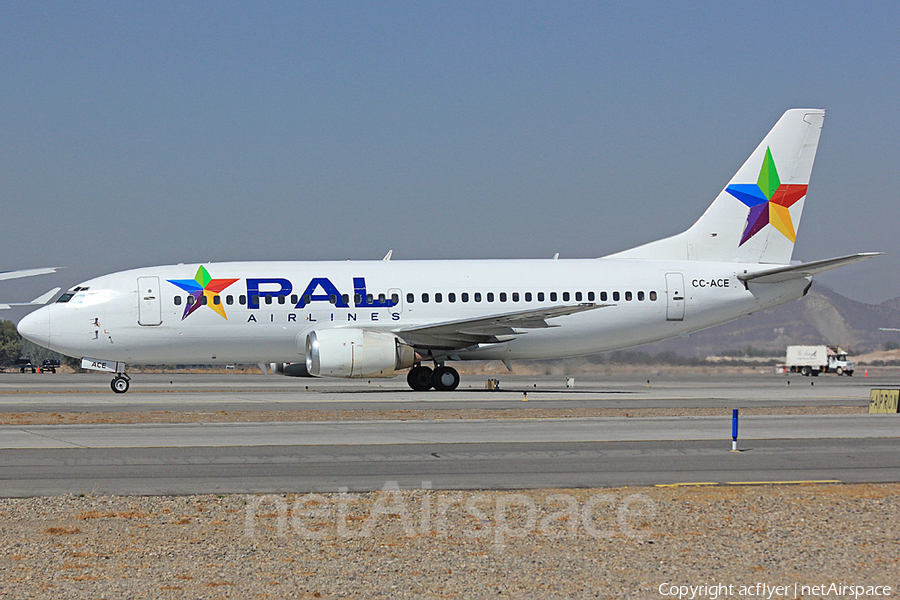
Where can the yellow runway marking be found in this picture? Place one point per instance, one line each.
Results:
(687, 484)
(782, 482)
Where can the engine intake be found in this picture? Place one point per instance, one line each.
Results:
(356, 353)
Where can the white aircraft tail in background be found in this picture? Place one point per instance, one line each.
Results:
(40, 300)
(362, 319)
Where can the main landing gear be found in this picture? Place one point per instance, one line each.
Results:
(120, 384)
(441, 378)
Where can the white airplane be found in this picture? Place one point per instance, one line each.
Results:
(40, 300)
(373, 318)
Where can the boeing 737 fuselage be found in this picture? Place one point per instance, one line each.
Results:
(374, 318)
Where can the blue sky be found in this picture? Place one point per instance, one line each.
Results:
(134, 134)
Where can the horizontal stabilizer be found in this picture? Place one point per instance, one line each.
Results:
(39, 301)
(27, 273)
(787, 273)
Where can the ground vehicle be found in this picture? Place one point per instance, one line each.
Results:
(812, 360)
(24, 364)
(49, 364)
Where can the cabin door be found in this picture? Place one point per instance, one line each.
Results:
(674, 297)
(149, 306)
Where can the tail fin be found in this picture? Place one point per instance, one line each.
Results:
(755, 218)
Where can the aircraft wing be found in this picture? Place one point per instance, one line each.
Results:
(39, 301)
(453, 335)
(26, 273)
(786, 273)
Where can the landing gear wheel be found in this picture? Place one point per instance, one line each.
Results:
(119, 385)
(445, 379)
(419, 378)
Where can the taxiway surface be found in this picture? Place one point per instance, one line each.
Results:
(444, 454)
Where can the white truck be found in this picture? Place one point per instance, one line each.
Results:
(812, 360)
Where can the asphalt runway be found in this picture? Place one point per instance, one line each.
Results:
(299, 457)
(235, 391)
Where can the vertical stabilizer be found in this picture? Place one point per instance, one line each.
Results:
(756, 217)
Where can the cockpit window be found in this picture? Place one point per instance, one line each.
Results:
(68, 295)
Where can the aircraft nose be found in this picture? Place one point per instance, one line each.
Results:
(35, 327)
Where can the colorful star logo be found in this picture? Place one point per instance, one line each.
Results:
(203, 285)
(768, 200)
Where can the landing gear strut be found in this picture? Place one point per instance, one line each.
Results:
(120, 384)
(442, 379)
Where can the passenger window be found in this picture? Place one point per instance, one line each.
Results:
(344, 297)
(464, 296)
(640, 296)
(578, 296)
(552, 296)
(281, 299)
(242, 300)
(477, 296)
(395, 299)
(628, 296)
(203, 300)
(217, 300)
(332, 298)
(502, 296)
(451, 297)
(190, 300)
(490, 296)
(615, 296)
(268, 300)
(515, 296)
(527, 296)
(603, 297)
(438, 297)
(229, 300)
(425, 297)
(653, 296)
(357, 298)
(540, 296)
(177, 300)
(410, 297)
(369, 298)
(566, 296)
(307, 298)
(382, 298)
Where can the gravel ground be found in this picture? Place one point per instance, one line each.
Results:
(583, 543)
(246, 416)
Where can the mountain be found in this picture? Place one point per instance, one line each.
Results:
(821, 317)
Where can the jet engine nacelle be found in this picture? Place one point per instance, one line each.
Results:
(356, 353)
(297, 369)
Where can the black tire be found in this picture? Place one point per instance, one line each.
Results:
(445, 379)
(848, 373)
(805, 371)
(815, 373)
(119, 385)
(839, 371)
(419, 378)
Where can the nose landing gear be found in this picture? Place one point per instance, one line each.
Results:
(120, 384)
